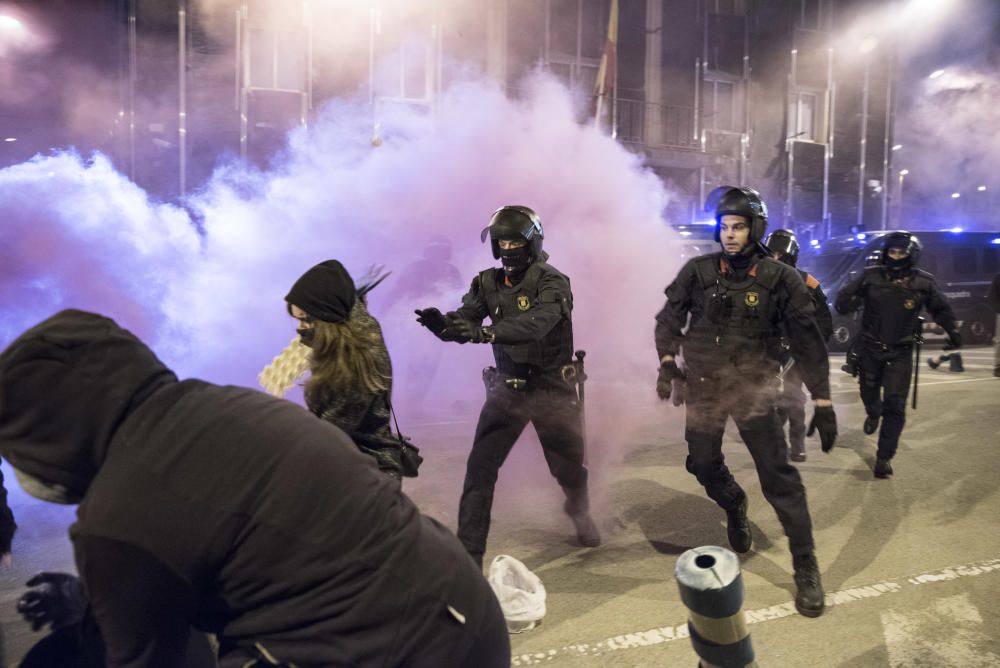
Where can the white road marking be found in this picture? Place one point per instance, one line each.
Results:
(925, 384)
(668, 633)
(948, 633)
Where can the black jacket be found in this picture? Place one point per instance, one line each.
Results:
(714, 344)
(824, 319)
(891, 306)
(531, 319)
(228, 510)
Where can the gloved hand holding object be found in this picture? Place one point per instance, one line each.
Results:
(825, 420)
(55, 598)
(669, 371)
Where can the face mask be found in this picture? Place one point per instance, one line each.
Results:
(306, 335)
(897, 265)
(516, 259)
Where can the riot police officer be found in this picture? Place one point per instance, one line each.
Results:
(529, 304)
(892, 294)
(735, 304)
(784, 247)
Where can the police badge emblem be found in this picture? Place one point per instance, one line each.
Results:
(523, 303)
(752, 298)
(908, 304)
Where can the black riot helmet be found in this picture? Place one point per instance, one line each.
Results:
(739, 201)
(785, 243)
(515, 223)
(905, 240)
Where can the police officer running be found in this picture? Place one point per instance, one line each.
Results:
(784, 247)
(529, 304)
(738, 302)
(892, 293)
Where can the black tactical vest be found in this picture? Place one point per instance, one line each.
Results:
(891, 309)
(549, 354)
(739, 326)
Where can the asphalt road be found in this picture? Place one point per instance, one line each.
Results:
(911, 565)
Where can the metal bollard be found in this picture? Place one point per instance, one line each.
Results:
(712, 589)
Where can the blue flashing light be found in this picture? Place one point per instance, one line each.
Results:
(995, 241)
(860, 236)
(953, 230)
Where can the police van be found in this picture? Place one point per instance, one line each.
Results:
(963, 265)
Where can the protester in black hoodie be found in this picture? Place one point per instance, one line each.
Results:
(230, 512)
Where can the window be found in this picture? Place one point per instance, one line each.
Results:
(802, 117)
(719, 100)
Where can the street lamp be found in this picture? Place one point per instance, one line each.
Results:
(896, 147)
(935, 74)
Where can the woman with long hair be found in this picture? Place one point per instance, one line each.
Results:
(350, 380)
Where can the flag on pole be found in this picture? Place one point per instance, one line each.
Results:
(608, 69)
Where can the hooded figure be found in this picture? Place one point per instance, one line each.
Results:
(232, 512)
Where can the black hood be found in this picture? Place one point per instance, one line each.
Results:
(66, 385)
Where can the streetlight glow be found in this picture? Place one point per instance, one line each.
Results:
(9, 23)
(981, 188)
(11, 139)
(935, 74)
(956, 195)
(904, 172)
(896, 147)
(868, 45)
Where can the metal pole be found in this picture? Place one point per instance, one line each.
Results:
(182, 98)
(245, 87)
(863, 145)
(791, 131)
(133, 73)
(828, 148)
(899, 203)
(886, 141)
(697, 97)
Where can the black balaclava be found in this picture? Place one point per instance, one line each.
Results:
(326, 292)
(516, 261)
(897, 268)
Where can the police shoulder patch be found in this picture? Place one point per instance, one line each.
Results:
(523, 303)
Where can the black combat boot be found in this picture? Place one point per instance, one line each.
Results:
(587, 533)
(809, 595)
(738, 528)
(871, 424)
(883, 469)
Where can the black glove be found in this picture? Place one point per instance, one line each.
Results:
(668, 372)
(825, 420)
(56, 599)
(432, 319)
(463, 331)
(954, 341)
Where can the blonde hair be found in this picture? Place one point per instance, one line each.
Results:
(345, 360)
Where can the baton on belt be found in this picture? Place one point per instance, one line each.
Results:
(918, 338)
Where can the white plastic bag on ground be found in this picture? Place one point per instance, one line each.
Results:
(520, 592)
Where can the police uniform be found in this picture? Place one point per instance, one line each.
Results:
(533, 349)
(726, 313)
(731, 350)
(885, 349)
(792, 401)
(529, 303)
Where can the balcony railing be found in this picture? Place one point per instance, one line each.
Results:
(664, 125)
